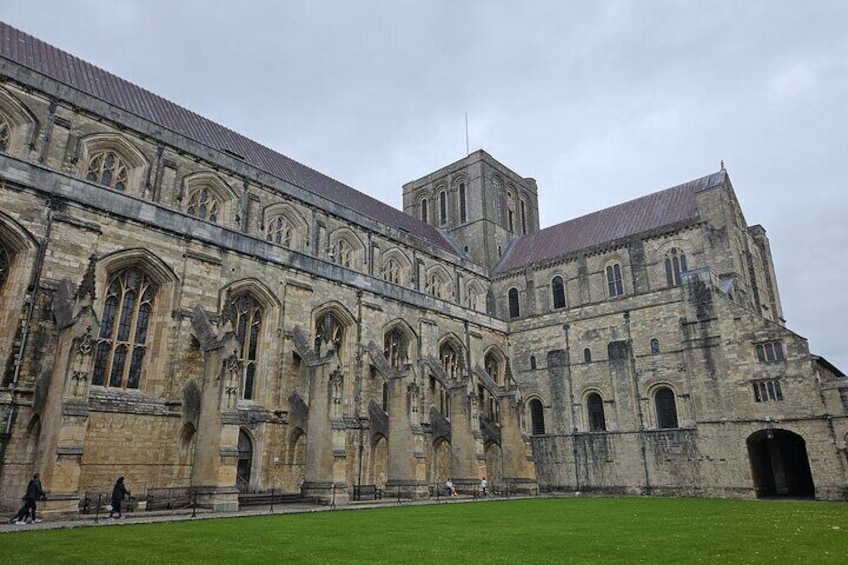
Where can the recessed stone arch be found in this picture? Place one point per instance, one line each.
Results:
(259, 290)
(475, 296)
(215, 189)
(495, 354)
(20, 122)
(283, 222)
(137, 163)
(346, 248)
(157, 269)
(437, 282)
(398, 272)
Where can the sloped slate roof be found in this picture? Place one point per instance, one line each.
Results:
(63, 67)
(647, 213)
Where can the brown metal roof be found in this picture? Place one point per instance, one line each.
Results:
(647, 213)
(56, 64)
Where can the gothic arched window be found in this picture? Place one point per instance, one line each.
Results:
(329, 330)
(434, 285)
(615, 286)
(595, 407)
(247, 321)
(450, 360)
(422, 210)
(391, 271)
(123, 330)
(675, 265)
(493, 367)
(5, 261)
(655, 346)
(443, 208)
(463, 210)
(558, 292)
(202, 204)
(537, 417)
(342, 253)
(396, 347)
(514, 308)
(5, 134)
(108, 169)
(510, 212)
(523, 217)
(279, 231)
(587, 355)
(666, 408)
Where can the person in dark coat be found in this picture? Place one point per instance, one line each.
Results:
(34, 492)
(118, 493)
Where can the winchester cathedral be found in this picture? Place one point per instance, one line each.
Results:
(187, 308)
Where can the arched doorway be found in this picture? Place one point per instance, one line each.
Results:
(245, 458)
(779, 464)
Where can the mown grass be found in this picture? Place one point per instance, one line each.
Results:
(588, 530)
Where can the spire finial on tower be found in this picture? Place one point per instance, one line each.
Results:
(722, 164)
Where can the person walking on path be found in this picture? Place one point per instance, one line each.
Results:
(484, 487)
(118, 493)
(34, 492)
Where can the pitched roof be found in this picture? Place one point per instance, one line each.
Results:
(647, 213)
(63, 67)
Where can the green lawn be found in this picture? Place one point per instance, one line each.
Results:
(601, 530)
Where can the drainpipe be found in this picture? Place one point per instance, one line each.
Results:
(638, 401)
(34, 282)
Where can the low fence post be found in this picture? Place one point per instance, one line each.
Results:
(271, 511)
(193, 503)
(333, 503)
(97, 510)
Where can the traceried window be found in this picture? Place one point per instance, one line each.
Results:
(434, 285)
(202, 204)
(449, 358)
(109, 169)
(514, 307)
(558, 292)
(767, 391)
(595, 407)
(537, 417)
(675, 265)
(4, 265)
(615, 286)
(391, 271)
(443, 208)
(123, 330)
(341, 253)
(666, 408)
(247, 322)
(472, 298)
(771, 352)
(279, 231)
(395, 347)
(422, 210)
(463, 210)
(493, 367)
(5, 134)
(329, 330)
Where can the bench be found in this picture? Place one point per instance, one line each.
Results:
(88, 502)
(169, 498)
(269, 498)
(367, 492)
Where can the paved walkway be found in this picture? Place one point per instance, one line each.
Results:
(89, 520)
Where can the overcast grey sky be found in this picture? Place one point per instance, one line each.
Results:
(600, 101)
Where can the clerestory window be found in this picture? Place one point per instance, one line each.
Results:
(675, 266)
(279, 231)
(107, 168)
(202, 204)
(615, 286)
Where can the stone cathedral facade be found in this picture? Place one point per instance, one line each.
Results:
(188, 308)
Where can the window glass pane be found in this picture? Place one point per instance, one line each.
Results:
(118, 361)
